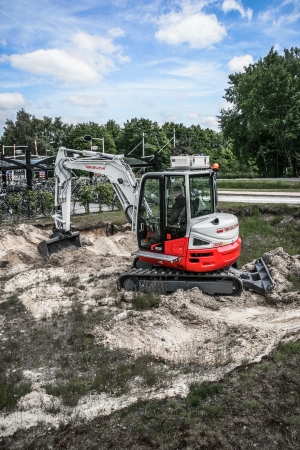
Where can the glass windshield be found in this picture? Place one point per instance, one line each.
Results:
(175, 204)
(149, 215)
(200, 195)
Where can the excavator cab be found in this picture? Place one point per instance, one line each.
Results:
(162, 210)
(169, 203)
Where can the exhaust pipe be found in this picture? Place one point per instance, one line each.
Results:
(59, 242)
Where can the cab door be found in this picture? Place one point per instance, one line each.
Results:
(175, 207)
(150, 213)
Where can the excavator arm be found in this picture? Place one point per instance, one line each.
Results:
(116, 171)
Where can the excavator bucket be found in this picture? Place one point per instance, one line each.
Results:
(59, 243)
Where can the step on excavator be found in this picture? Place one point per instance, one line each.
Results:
(183, 242)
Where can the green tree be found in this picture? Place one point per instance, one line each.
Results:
(96, 131)
(264, 119)
(48, 133)
(155, 139)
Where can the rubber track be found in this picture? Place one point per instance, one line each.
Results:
(160, 274)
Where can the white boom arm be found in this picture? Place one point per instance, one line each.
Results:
(113, 167)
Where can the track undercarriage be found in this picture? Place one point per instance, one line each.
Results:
(230, 281)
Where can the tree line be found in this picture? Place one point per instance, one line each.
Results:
(259, 131)
(135, 138)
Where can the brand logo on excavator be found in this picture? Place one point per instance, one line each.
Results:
(95, 167)
(232, 227)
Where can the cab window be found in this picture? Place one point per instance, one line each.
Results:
(201, 202)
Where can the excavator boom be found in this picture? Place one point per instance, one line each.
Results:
(116, 171)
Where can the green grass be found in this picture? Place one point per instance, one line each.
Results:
(202, 391)
(263, 229)
(12, 389)
(295, 280)
(80, 221)
(115, 379)
(145, 300)
(228, 414)
(69, 391)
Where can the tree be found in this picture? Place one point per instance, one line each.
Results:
(264, 119)
(48, 133)
(155, 139)
(95, 130)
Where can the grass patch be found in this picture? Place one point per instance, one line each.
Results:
(145, 300)
(216, 411)
(12, 303)
(115, 379)
(250, 405)
(289, 348)
(264, 366)
(295, 280)
(11, 390)
(261, 234)
(202, 391)
(70, 391)
(261, 185)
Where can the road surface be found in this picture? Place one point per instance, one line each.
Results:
(263, 197)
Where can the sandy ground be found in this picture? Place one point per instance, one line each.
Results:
(215, 333)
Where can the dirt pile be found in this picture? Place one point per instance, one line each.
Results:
(215, 334)
(48, 286)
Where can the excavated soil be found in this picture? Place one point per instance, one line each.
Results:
(213, 335)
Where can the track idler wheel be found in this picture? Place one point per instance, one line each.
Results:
(130, 284)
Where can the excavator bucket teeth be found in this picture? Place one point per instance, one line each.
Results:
(59, 243)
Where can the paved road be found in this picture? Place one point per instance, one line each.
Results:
(259, 197)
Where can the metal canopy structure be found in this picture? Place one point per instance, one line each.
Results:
(142, 161)
(48, 163)
(44, 163)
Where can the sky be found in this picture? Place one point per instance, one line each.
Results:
(163, 60)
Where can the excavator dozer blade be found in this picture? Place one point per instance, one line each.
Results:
(259, 280)
(59, 243)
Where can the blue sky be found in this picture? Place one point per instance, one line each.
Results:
(95, 60)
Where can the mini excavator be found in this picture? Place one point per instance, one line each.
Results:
(183, 242)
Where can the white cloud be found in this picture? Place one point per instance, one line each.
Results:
(4, 116)
(57, 63)
(277, 47)
(11, 100)
(191, 26)
(193, 116)
(181, 96)
(238, 63)
(3, 42)
(4, 58)
(277, 17)
(196, 70)
(234, 5)
(84, 60)
(123, 59)
(116, 32)
(85, 42)
(226, 106)
(86, 100)
(149, 103)
(169, 117)
(210, 122)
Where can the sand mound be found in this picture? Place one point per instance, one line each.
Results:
(193, 327)
(215, 334)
